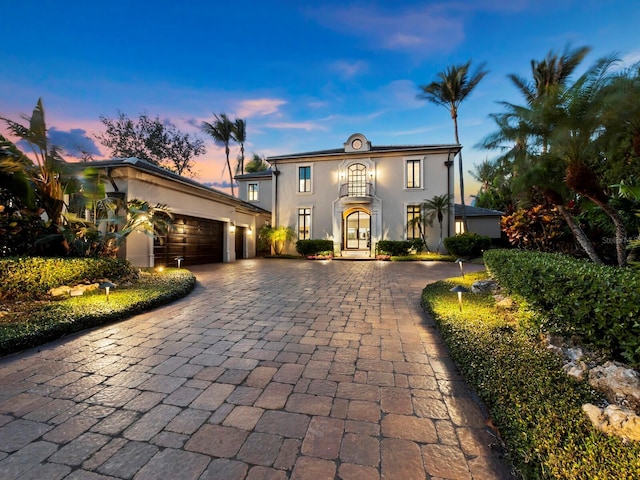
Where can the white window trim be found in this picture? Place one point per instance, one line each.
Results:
(298, 208)
(257, 184)
(310, 192)
(405, 160)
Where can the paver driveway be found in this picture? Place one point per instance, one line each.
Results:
(271, 369)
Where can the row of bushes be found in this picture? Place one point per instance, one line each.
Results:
(533, 404)
(34, 323)
(32, 277)
(598, 303)
(314, 247)
(463, 245)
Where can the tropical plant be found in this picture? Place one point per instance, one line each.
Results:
(277, 237)
(435, 209)
(256, 164)
(46, 175)
(453, 86)
(239, 134)
(151, 139)
(221, 130)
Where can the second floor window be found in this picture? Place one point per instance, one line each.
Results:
(304, 179)
(252, 192)
(413, 174)
(356, 176)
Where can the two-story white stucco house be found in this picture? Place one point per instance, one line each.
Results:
(355, 195)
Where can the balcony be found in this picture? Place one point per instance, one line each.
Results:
(356, 192)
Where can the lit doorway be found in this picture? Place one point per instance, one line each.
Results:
(357, 231)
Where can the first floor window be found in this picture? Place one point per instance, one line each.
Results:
(413, 217)
(459, 227)
(304, 223)
(413, 174)
(304, 179)
(252, 192)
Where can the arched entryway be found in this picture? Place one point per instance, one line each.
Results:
(357, 229)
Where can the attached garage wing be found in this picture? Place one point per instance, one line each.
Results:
(196, 240)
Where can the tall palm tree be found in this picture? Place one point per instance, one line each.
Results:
(239, 134)
(436, 208)
(452, 87)
(222, 132)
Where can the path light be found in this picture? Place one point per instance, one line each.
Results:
(179, 260)
(106, 286)
(459, 289)
(460, 261)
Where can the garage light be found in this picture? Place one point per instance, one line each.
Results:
(232, 228)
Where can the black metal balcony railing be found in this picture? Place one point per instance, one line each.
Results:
(356, 190)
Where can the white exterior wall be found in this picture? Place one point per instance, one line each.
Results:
(387, 206)
(183, 200)
(265, 195)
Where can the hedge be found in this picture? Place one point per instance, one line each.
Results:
(314, 247)
(600, 304)
(32, 277)
(396, 248)
(467, 244)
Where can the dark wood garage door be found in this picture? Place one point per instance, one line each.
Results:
(197, 240)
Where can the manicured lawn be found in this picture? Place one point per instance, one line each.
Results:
(30, 323)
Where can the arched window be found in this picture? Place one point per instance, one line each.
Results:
(357, 179)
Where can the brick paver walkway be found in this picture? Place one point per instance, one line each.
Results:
(271, 369)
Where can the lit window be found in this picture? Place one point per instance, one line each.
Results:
(304, 179)
(304, 223)
(413, 174)
(252, 192)
(459, 227)
(356, 176)
(413, 216)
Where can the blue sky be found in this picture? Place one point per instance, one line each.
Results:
(304, 75)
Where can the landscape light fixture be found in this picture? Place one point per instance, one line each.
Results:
(106, 286)
(460, 261)
(160, 268)
(459, 289)
(179, 260)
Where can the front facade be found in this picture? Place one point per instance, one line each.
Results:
(208, 226)
(360, 194)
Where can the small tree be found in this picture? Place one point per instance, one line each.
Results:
(436, 208)
(151, 139)
(277, 237)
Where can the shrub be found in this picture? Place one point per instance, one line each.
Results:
(533, 404)
(32, 277)
(394, 247)
(314, 247)
(467, 244)
(600, 304)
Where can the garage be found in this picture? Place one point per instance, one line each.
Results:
(196, 240)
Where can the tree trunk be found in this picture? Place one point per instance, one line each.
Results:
(621, 231)
(454, 115)
(579, 235)
(230, 173)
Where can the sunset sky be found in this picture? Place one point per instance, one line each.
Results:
(304, 75)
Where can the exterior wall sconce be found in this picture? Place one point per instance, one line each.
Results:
(459, 289)
(460, 261)
(232, 228)
(179, 260)
(249, 231)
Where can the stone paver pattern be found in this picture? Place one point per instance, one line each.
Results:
(270, 369)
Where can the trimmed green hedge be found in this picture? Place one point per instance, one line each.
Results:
(314, 247)
(467, 244)
(32, 277)
(396, 248)
(600, 304)
(535, 406)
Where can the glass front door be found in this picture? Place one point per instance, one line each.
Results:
(358, 231)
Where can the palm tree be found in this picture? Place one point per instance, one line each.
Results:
(239, 134)
(257, 164)
(436, 208)
(222, 132)
(452, 87)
